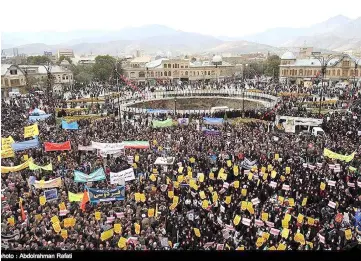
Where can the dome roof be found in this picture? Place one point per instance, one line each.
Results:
(217, 59)
(64, 62)
(288, 56)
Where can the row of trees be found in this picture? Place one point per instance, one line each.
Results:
(269, 67)
(104, 69)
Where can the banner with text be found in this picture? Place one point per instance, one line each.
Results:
(127, 175)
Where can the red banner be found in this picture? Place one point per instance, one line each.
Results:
(57, 146)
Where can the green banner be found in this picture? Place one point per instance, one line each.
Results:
(162, 124)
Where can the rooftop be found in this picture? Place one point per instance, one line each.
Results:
(311, 62)
(288, 56)
(156, 63)
(142, 59)
(40, 68)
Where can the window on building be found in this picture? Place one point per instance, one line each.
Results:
(161, 74)
(67, 77)
(14, 72)
(164, 66)
(209, 72)
(182, 66)
(338, 72)
(132, 75)
(142, 74)
(198, 73)
(14, 82)
(169, 65)
(333, 72)
(151, 74)
(169, 73)
(186, 66)
(165, 74)
(186, 73)
(344, 73)
(63, 77)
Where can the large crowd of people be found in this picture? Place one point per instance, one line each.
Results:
(235, 186)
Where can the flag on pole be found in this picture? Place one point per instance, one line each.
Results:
(23, 215)
(84, 200)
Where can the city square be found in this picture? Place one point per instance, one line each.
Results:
(181, 141)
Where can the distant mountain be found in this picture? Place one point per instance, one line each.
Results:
(338, 33)
(242, 47)
(281, 36)
(151, 39)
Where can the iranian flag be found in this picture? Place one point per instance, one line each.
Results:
(136, 144)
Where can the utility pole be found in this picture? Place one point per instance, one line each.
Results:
(326, 61)
(243, 104)
(49, 79)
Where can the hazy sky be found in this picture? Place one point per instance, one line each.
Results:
(224, 17)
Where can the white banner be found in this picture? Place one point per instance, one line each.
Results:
(107, 146)
(85, 148)
(127, 174)
(285, 187)
(273, 184)
(331, 183)
(331, 204)
(114, 152)
(246, 221)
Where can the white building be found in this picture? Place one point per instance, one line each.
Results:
(66, 52)
(13, 77)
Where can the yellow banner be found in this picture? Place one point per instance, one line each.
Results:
(33, 166)
(7, 153)
(6, 142)
(75, 197)
(107, 234)
(16, 168)
(31, 131)
(333, 155)
(52, 183)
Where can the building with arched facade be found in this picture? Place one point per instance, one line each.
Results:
(13, 77)
(305, 69)
(173, 70)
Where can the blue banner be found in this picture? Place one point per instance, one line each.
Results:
(212, 120)
(24, 145)
(94, 176)
(39, 118)
(69, 126)
(37, 112)
(104, 195)
(211, 132)
(157, 111)
(51, 194)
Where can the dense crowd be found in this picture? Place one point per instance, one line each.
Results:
(246, 187)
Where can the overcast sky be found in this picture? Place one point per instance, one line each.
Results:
(224, 17)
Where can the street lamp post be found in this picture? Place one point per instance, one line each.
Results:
(325, 62)
(243, 104)
(175, 105)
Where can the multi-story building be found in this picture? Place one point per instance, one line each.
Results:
(304, 70)
(13, 77)
(173, 70)
(66, 52)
